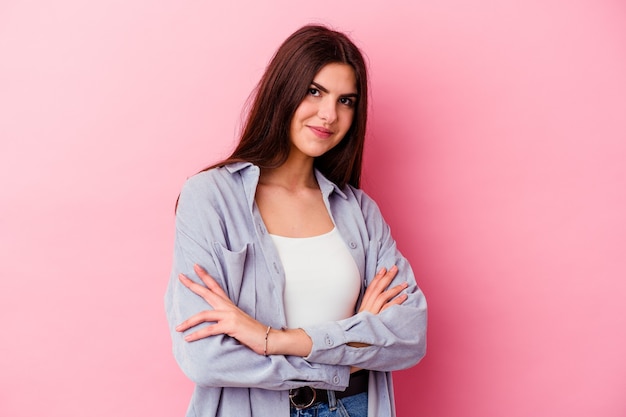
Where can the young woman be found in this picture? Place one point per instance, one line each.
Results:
(287, 293)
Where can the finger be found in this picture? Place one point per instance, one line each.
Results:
(202, 317)
(369, 292)
(391, 274)
(383, 280)
(394, 291)
(396, 301)
(193, 286)
(203, 333)
(209, 281)
(388, 295)
(214, 300)
(372, 292)
(377, 286)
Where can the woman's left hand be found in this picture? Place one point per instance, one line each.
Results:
(379, 296)
(226, 317)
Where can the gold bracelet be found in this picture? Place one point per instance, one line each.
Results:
(267, 333)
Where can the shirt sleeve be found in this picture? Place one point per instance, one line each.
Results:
(221, 361)
(397, 336)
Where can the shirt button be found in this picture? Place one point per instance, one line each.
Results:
(353, 245)
(329, 341)
(336, 380)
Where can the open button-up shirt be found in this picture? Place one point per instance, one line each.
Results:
(219, 227)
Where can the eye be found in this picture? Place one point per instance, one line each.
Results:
(314, 92)
(347, 101)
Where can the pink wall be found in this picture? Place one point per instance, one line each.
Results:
(505, 122)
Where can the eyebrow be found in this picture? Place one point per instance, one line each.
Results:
(325, 90)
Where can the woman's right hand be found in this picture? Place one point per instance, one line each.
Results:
(378, 296)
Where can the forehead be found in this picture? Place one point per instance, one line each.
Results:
(337, 77)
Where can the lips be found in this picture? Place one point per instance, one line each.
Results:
(321, 132)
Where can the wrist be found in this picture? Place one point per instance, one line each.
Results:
(267, 333)
(294, 342)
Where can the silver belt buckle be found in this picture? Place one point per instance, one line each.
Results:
(302, 397)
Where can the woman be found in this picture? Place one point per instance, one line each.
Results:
(287, 292)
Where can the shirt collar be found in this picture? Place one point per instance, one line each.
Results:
(326, 186)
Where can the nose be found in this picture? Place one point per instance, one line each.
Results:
(327, 111)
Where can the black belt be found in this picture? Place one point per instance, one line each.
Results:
(305, 397)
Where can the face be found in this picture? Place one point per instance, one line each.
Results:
(326, 113)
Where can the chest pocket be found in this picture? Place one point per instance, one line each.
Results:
(236, 268)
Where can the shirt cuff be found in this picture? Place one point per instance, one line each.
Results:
(329, 343)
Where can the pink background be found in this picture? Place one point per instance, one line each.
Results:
(497, 151)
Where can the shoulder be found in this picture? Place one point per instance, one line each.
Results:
(221, 180)
(360, 197)
(217, 187)
(206, 179)
(372, 217)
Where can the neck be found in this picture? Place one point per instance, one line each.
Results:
(295, 173)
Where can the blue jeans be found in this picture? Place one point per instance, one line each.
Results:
(353, 406)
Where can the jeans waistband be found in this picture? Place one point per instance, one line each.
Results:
(305, 397)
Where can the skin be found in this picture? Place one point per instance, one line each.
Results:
(288, 197)
(291, 205)
(325, 114)
(229, 319)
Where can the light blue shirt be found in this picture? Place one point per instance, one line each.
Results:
(219, 227)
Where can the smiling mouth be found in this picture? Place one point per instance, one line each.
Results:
(321, 132)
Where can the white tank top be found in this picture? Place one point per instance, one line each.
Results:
(322, 278)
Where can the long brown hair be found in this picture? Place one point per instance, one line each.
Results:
(265, 136)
